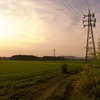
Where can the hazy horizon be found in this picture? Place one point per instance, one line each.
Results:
(36, 27)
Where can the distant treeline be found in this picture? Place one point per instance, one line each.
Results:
(24, 57)
(32, 57)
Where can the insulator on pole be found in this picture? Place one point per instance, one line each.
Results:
(93, 15)
(94, 25)
(95, 20)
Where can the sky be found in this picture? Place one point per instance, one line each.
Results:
(37, 27)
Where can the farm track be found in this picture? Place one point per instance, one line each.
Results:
(51, 88)
(42, 87)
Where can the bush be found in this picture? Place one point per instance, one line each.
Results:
(95, 93)
(64, 68)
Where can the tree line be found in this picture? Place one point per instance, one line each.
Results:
(32, 57)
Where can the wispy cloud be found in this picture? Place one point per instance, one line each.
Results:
(45, 22)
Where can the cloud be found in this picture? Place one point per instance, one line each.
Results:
(47, 15)
(46, 22)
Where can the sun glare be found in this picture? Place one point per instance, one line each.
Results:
(4, 26)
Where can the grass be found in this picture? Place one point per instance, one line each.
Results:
(13, 70)
(37, 80)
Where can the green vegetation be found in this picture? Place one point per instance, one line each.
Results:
(87, 86)
(64, 68)
(37, 80)
(31, 80)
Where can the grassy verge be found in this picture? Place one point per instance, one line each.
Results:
(87, 86)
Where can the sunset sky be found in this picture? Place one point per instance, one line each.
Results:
(36, 27)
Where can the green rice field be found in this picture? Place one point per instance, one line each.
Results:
(17, 70)
(41, 80)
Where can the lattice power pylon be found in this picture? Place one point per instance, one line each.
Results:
(98, 48)
(90, 46)
(53, 54)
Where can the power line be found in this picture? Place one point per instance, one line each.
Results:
(69, 9)
(77, 7)
(88, 5)
(81, 35)
(76, 37)
(72, 8)
(83, 5)
(78, 34)
(75, 31)
(73, 38)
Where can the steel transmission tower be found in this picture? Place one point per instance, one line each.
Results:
(90, 46)
(98, 49)
(53, 54)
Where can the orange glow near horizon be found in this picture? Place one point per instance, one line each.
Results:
(38, 26)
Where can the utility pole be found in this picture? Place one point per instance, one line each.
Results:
(90, 46)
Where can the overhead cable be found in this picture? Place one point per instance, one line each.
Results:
(69, 9)
(78, 7)
(73, 9)
(83, 5)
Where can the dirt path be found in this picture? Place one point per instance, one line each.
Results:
(52, 87)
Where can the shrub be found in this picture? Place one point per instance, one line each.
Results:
(95, 93)
(64, 68)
